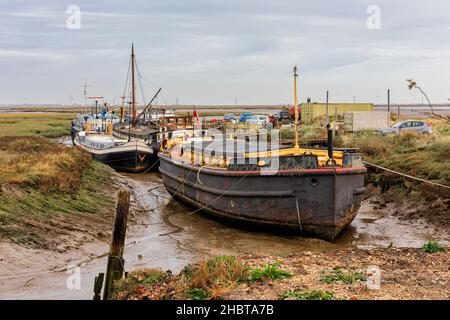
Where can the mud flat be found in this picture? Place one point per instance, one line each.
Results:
(66, 242)
(167, 237)
(43, 254)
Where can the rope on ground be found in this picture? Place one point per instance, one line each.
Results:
(407, 175)
(150, 168)
(170, 197)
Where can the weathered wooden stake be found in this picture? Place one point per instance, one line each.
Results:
(98, 284)
(115, 266)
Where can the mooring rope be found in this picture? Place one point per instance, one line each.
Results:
(407, 175)
(222, 194)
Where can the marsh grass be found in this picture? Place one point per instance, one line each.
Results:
(48, 125)
(419, 155)
(214, 277)
(40, 179)
(40, 163)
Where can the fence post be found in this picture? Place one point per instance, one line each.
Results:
(115, 266)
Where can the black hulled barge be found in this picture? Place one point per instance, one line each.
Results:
(309, 191)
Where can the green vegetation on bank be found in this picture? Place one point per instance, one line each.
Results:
(307, 295)
(270, 271)
(135, 280)
(208, 279)
(341, 275)
(433, 247)
(41, 179)
(48, 125)
(418, 155)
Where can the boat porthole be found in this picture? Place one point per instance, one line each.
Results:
(245, 205)
(314, 182)
(232, 203)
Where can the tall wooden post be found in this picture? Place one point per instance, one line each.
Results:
(335, 120)
(133, 87)
(389, 106)
(296, 145)
(115, 266)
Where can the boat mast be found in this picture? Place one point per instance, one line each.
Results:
(296, 146)
(133, 94)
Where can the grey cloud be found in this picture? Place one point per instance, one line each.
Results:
(205, 51)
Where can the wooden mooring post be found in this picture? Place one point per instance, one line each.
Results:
(115, 266)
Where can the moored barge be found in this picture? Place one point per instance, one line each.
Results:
(299, 195)
(312, 192)
(121, 154)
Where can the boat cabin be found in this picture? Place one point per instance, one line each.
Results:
(177, 122)
(239, 154)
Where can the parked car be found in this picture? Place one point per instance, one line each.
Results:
(408, 125)
(273, 119)
(245, 116)
(261, 120)
(277, 115)
(284, 115)
(229, 117)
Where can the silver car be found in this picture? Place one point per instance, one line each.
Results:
(408, 125)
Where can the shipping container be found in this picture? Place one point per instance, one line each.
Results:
(311, 111)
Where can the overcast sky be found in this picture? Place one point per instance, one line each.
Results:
(216, 51)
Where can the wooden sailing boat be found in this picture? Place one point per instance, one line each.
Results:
(154, 129)
(123, 152)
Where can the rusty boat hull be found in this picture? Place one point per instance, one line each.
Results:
(313, 202)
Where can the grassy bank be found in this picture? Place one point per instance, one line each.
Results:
(48, 189)
(420, 155)
(424, 156)
(49, 125)
(327, 275)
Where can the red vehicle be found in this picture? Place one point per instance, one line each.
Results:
(272, 119)
(292, 111)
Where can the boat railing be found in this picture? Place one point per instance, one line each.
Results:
(101, 127)
(125, 134)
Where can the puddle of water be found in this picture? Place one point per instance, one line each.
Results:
(374, 228)
(173, 239)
